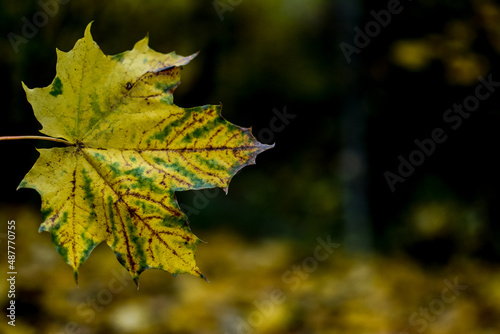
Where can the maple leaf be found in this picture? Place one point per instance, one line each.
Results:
(129, 149)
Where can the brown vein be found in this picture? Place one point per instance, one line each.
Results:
(129, 254)
(156, 234)
(147, 199)
(73, 192)
(164, 173)
(199, 169)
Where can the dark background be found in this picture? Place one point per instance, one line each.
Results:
(325, 175)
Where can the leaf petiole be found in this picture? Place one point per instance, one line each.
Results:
(37, 138)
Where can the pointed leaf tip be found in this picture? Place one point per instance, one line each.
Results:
(87, 30)
(75, 276)
(136, 281)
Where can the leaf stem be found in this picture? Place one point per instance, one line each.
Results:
(36, 138)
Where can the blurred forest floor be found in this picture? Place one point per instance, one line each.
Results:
(264, 286)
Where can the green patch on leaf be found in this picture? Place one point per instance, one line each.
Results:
(118, 57)
(56, 87)
(167, 99)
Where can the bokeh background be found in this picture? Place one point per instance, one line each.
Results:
(423, 258)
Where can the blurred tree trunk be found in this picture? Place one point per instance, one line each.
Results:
(358, 234)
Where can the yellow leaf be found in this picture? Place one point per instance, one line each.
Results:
(129, 149)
